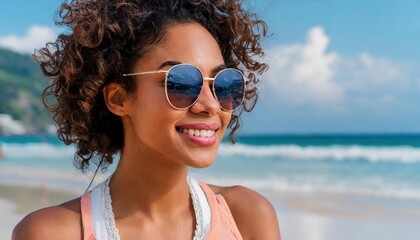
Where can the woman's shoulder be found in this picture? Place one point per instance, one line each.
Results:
(240, 198)
(253, 213)
(58, 222)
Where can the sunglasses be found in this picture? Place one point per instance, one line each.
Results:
(184, 83)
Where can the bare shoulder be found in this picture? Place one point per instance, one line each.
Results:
(58, 222)
(253, 213)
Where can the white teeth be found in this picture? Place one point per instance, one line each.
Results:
(203, 133)
(198, 133)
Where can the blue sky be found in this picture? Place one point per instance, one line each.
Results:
(336, 66)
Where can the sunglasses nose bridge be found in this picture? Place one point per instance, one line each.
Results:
(210, 85)
(207, 99)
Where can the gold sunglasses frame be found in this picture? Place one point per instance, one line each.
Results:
(245, 80)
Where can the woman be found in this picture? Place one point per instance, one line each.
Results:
(156, 82)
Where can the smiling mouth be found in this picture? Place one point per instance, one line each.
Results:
(197, 132)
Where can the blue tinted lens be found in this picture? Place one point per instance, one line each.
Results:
(183, 85)
(229, 86)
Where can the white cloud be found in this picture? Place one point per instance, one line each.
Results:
(303, 73)
(306, 74)
(378, 84)
(36, 37)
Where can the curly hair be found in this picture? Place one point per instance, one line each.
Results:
(104, 39)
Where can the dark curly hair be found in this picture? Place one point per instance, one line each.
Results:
(105, 38)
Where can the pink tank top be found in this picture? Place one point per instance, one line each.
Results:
(223, 225)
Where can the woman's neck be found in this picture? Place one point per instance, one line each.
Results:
(149, 185)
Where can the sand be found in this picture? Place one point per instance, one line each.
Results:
(17, 201)
(8, 218)
(302, 216)
(320, 216)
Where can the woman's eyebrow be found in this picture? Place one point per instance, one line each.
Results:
(218, 68)
(172, 63)
(169, 63)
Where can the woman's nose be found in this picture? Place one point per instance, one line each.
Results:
(206, 102)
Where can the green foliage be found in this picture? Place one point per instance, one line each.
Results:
(21, 86)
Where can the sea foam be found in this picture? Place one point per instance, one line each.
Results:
(402, 154)
(37, 150)
(278, 185)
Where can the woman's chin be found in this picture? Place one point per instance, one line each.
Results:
(202, 163)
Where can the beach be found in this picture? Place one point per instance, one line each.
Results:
(8, 218)
(321, 217)
(17, 201)
(322, 188)
(301, 216)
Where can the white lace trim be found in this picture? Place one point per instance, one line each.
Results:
(111, 228)
(199, 233)
(113, 234)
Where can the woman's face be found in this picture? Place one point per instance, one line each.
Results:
(153, 126)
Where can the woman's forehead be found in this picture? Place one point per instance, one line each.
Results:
(186, 43)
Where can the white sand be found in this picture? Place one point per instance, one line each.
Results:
(8, 219)
(309, 226)
(317, 216)
(16, 201)
(301, 216)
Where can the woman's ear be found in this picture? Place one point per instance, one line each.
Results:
(115, 98)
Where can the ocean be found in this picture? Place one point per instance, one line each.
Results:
(367, 165)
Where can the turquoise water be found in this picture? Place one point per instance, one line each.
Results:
(384, 140)
(386, 166)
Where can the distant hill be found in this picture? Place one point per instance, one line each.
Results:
(21, 86)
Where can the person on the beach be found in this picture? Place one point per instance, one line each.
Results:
(156, 83)
(1, 153)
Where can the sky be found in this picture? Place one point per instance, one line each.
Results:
(336, 66)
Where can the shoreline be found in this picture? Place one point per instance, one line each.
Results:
(354, 206)
(16, 201)
(331, 216)
(302, 216)
(40, 196)
(8, 218)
